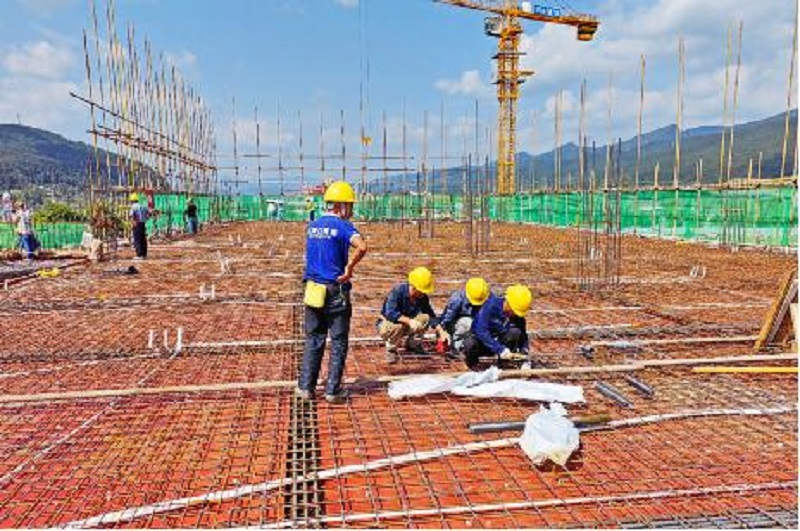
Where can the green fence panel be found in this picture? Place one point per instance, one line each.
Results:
(50, 235)
(760, 216)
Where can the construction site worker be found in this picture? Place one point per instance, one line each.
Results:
(311, 209)
(27, 239)
(190, 216)
(461, 309)
(272, 210)
(407, 313)
(7, 211)
(329, 268)
(499, 327)
(138, 216)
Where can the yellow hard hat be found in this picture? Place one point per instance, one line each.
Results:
(519, 299)
(422, 280)
(477, 291)
(133, 197)
(340, 192)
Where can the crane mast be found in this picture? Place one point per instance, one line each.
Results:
(504, 24)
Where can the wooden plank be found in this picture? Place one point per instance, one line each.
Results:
(746, 370)
(777, 312)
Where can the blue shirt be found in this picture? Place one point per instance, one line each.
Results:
(491, 323)
(139, 213)
(399, 304)
(458, 306)
(327, 248)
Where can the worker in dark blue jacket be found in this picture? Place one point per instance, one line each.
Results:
(461, 309)
(499, 327)
(407, 313)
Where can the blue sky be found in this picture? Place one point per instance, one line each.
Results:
(311, 55)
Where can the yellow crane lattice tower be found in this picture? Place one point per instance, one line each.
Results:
(504, 24)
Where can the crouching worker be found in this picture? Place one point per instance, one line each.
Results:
(407, 313)
(499, 327)
(329, 268)
(461, 309)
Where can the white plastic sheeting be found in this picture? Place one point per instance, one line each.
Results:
(486, 384)
(430, 384)
(525, 390)
(549, 434)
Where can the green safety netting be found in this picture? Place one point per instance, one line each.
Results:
(765, 217)
(50, 235)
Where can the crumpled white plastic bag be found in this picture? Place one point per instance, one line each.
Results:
(431, 384)
(549, 434)
(525, 390)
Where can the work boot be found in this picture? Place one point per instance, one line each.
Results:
(391, 353)
(339, 398)
(302, 394)
(415, 346)
(454, 355)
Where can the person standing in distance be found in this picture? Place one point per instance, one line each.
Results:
(329, 268)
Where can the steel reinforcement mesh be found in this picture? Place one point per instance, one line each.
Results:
(165, 399)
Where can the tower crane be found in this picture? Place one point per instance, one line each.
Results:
(504, 24)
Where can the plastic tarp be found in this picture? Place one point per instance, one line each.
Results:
(430, 384)
(549, 434)
(486, 384)
(525, 390)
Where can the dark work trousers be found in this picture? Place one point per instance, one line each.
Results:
(333, 318)
(140, 239)
(474, 349)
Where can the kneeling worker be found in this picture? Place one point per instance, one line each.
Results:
(499, 328)
(461, 309)
(407, 313)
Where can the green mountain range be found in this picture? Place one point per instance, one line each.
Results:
(31, 157)
(750, 139)
(44, 163)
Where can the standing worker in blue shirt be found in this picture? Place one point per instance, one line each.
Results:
(138, 216)
(327, 297)
(461, 309)
(407, 313)
(499, 328)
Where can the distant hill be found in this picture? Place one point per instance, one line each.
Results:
(33, 158)
(44, 164)
(658, 146)
(30, 156)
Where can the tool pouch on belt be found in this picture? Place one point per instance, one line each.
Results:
(314, 295)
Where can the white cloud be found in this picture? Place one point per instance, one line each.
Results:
(185, 62)
(266, 130)
(39, 59)
(630, 29)
(41, 103)
(348, 4)
(469, 84)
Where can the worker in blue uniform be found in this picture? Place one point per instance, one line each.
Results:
(461, 309)
(499, 328)
(407, 313)
(329, 268)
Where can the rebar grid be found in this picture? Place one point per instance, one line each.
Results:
(202, 431)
